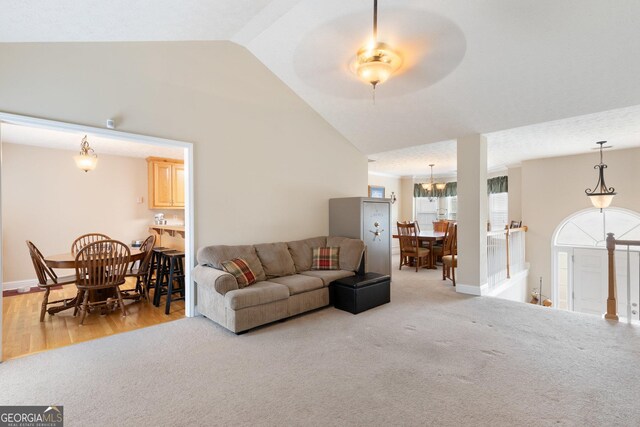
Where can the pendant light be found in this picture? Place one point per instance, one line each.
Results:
(377, 61)
(601, 195)
(87, 159)
(432, 185)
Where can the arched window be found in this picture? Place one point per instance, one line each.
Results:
(579, 281)
(589, 228)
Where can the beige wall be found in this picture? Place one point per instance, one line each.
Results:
(266, 164)
(390, 184)
(515, 193)
(48, 200)
(553, 189)
(406, 204)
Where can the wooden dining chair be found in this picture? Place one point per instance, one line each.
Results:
(450, 261)
(142, 273)
(100, 270)
(410, 250)
(445, 247)
(85, 239)
(47, 279)
(440, 226)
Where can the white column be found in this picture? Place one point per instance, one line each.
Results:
(471, 274)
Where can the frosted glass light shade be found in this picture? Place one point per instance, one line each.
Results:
(375, 64)
(601, 201)
(86, 162)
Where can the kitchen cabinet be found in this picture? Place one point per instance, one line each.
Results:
(166, 183)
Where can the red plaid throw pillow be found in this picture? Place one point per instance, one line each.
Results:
(241, 271)
(325, 259)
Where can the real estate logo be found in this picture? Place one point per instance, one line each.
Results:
(31, 416)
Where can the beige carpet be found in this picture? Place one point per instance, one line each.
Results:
(431, 357)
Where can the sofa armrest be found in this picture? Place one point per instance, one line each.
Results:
(221, 281)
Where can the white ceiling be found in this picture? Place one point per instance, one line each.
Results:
(70, 141)
(470, 66)
(621, 128)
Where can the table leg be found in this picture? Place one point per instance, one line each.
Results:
(432, 260)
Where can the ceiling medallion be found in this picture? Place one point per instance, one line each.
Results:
(376, 62)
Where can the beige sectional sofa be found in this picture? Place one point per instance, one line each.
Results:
(286, 284)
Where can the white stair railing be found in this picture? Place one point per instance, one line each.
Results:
(505, 254)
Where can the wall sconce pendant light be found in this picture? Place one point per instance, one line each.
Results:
(393, 197)
(601, 195)
(431, 186)
(87, 159)
(376, 61)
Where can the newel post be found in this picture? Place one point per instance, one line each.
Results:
(611, 313)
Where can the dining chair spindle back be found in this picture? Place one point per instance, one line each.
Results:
(101, 266)
(85, 239)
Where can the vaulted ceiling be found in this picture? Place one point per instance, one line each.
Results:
(469, 66)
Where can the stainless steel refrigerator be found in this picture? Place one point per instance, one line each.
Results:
(368, 219)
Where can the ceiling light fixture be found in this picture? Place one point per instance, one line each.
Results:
(87, 159)
(601, 195)
(377, 61)
(432, 186)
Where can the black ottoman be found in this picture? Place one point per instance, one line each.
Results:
(356, 294)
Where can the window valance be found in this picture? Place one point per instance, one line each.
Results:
(499, 184)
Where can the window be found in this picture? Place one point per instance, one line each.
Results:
(426, 212)
(439, 208)
(498, 210)
(590, 228)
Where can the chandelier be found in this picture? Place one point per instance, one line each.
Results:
(432, 186)
(601, 195)
(87, 159)
(377, 61)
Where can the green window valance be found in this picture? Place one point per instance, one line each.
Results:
(499, 184)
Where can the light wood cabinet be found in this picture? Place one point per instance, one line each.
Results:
(177, 190)
(166, 183)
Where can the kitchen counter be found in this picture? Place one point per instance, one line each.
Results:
(169, 236)
(179, 228)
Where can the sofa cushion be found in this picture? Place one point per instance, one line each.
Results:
(351, 251)
(256, 294)
(325, 259)
(241, 271)
(214, 256)
(275, 259)
(328, 276)
(299, 283)
(300, 251)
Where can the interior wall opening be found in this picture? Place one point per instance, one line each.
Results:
(48, 200)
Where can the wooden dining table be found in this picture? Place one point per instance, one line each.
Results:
(68, 260)
(430, 237)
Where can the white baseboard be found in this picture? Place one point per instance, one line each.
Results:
(514, 289)
(29, 283)
(472, 289)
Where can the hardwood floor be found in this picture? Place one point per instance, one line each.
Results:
(22, 332)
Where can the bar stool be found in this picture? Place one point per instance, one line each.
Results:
(154, 265)
(171, 273)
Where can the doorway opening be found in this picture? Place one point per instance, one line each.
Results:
(579, 260)
(46, 199)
